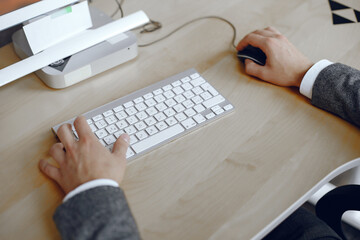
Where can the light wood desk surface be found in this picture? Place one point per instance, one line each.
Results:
(227, 180)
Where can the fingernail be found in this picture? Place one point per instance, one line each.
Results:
(125, 137)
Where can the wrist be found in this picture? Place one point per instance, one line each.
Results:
(305, 68)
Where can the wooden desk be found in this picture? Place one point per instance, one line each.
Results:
(227, 180)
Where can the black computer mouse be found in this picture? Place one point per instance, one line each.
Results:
(253, 53)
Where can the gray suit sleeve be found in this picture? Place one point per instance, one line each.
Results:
(98, 213)
(337, 90)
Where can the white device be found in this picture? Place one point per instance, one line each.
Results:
(157, 114)
(31, 11)
(68, 47)
(56, 26)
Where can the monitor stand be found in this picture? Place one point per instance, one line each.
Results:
(84, 64)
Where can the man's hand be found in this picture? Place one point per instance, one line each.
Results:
(84, 160)
(285, 65)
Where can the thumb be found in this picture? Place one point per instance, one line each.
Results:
(121, 145)
(254, 69)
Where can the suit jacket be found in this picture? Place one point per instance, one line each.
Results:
(103, 212)
(337, 90)
(98, 213)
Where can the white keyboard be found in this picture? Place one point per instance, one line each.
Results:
(157, 114)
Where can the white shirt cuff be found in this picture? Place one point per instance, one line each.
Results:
(308, 80)
(91, 184)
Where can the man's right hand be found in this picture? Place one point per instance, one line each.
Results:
(285, 65)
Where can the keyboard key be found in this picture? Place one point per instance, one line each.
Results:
(118, 109)
(213, 101)
(140, 107)
(110, 120)
(158, 91)
(199, 118)
(176, 83)
(185, 79)
(161, 107)
(121, 115)
(197, 90)
(169, 94)
(215, 108)
(140, 126)
(122, 124)
(132, 120)
(157, 138)
(180, 117)
(188, 104)
(197, 81)
(130, 130)
(188, 123)
(190, 112)
(159, 98)
(101, 124)
(160, 116)
(101, 133)
(187, 86)
(97, 118)
(128, 104)
(189, 94)
(151, 111)
(171, 121)
(228, 107)
(150, 121)
(179, 98)
(138, 100)
(111, 129)
(109, 139)
(141, 115)
(148, 96)
(178, 90)
(89, 121)
(167, 88)
(179, 108)
(206, 95)
(150, 102)
(219, 111)
(169, 112)
(195, 75)
(108, 113)
(210, 115)
(151, 130)
(170, 103)
(199, 108)
(131, 111)
(141, 135)
(161, 125)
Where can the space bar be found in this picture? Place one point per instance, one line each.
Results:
(157, 138)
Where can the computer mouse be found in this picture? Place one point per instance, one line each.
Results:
(253, 53)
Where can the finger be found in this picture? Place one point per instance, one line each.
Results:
(254, 69)
(57, 152)
(253, 39)
(82, 127)
(65, 135)
(265, 33)
(121, 145)
(50, 171)
(272, 29)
